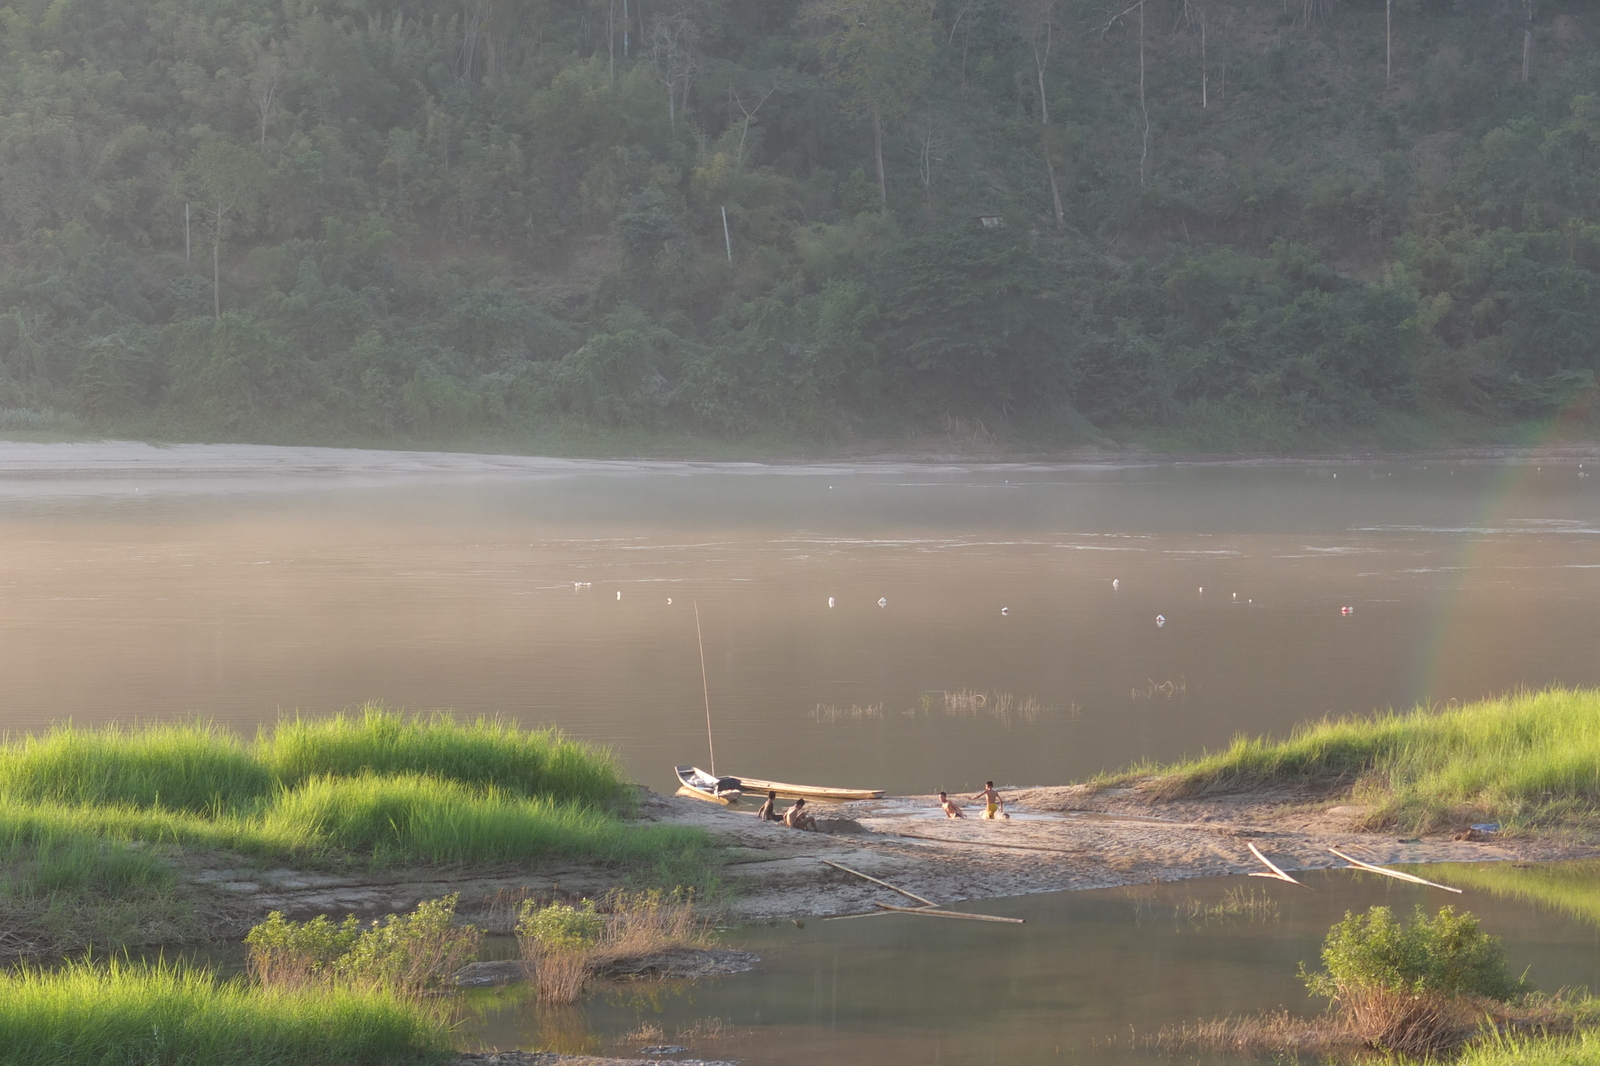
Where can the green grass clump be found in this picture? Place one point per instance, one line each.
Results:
(1578, 1049)
(187, 767)
(539, 762)
(412, 818)
(132, 1015)
(1524, 760)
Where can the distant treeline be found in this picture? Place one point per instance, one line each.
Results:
(406, 218)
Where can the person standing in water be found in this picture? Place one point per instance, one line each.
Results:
(951, 808)
(768, 811)
(991, 800)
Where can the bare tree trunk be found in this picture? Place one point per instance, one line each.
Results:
(611, 39)
(877, 151)
(216, 268)
(1144, 111)
(1527, 38)
(1204, 71)
(1388, 41)
(1041, 61)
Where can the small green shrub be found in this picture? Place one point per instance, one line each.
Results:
(283, 952)
(1412, 988)
(1447, 953)
(560, 925)
(408, 952)
(402, 953)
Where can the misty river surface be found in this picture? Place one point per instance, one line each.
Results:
(985, 622)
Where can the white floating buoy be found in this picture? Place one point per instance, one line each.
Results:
(1235, 595)
(669, 601)
(1202, 590)
(581, 584)
(883, 601)
(1161, 620)
(619, 594)
(830, 598)
(1005, 610)
(1115, 583)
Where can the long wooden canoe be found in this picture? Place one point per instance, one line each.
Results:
(695, 782)
(818, 792)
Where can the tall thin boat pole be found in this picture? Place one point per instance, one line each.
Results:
(705, 687)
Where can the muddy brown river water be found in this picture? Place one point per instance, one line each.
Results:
(907, 627)
(1020, 636)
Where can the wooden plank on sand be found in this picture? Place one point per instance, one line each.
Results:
(1392, 873)
(1276, 873)
(876, 881)
(934, 912)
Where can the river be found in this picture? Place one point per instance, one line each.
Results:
(891, 626)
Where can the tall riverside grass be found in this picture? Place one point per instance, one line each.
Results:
(187, 767)
(425, 819)
(204, 769)
(481, 752)
(1578, 1049)
(131, 1015)
(1528, 759)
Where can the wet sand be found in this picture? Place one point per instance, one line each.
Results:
(1067, 837)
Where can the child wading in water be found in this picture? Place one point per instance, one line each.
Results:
(992, 802)
(951, 808)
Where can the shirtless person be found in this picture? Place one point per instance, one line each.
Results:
(951, 808)
(797, 818)
(768, 811)
(991, 799)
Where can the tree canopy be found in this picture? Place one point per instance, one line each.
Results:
(407, 219)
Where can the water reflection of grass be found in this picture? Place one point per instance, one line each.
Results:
(997, 705)
(1572, 888)
(1235, 904)
(1527, 760)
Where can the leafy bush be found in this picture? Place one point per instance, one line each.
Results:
(283, 952)
(560, 925)
(1408, 987)
(566, 945)
(402, 953)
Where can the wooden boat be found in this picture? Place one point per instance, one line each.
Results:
(754, 785)
(695, 782)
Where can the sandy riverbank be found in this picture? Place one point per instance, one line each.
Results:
(1068, 837)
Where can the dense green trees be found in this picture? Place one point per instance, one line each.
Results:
(383, 219)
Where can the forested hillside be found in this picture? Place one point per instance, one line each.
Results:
(1238, 221)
